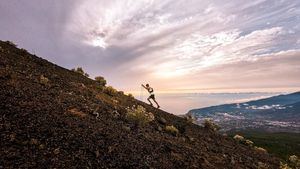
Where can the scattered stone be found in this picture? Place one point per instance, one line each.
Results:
(191, 139)
(33, 141)
(76, 112)
(232, 161)
(96, 114)
(116, 114)
(115, 101)
(261, 165)
(12, 137)
(41, 146)
(56, 151)
(162, 120)
(44, 80)
(97, 153)
(126, 128)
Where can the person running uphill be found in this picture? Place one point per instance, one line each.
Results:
(152, 96)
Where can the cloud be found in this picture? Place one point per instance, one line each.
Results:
(130, 41)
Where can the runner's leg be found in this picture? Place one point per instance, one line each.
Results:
(149, 101)
(156, 103)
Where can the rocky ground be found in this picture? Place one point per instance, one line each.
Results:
(48, 119)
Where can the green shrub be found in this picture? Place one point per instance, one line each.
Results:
(209, 124)
(100, 80)
(189, 118)
(172, 130)
(239, 138)
(44, 80)
(110, 91)
(80, 71)
(294, 161)
(260, 149)
(284, 166)
(248, 142)
(139, 115)
(130, 95)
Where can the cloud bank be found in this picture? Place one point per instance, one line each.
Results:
(170, 44)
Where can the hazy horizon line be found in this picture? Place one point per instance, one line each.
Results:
(223, 90)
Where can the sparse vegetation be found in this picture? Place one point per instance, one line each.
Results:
(11, 43)
(294, 161)
(249, 143)
(172, 130)
(80, 71)
(242, 140)
(43, 80)
(281, 144)
(110, 91)
(130, 95)
(260, 149)
(76, 112)
(100, 80)
(189, 118)
(238, 138)
(209, 124)
(139, 115)
(261, 165)
(120, 92)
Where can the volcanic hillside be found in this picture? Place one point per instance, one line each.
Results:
(51, 117)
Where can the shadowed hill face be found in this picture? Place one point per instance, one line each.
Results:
(53, 117)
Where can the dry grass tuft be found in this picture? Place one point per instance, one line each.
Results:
(76, 112)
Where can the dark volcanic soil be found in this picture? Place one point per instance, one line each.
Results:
(51, 125)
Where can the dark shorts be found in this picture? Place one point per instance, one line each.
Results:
(151, 96)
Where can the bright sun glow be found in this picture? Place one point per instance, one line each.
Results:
(99, 42)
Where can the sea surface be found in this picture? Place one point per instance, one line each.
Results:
(181, 103)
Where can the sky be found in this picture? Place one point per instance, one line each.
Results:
(174, 45)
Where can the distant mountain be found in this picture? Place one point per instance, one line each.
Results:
(276, 114)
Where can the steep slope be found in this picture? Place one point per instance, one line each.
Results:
(51, 124)
(277, 114)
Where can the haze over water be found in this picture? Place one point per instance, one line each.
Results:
(181, 103)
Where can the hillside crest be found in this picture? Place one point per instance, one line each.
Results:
(52, 117)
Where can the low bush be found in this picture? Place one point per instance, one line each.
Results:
(294, 161)
(248, 142)
(100, 80)
(43, 80)
(209, 124)
(110, 91)
(130, 95)
(189, 118)
(172, 130)
(121, 93)
(139, 115)
(284, 166)
(260, 149)
(239, 138)
(80, 71)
